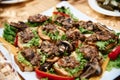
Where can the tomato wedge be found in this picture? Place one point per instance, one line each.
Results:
(16, 41)
(114, 53)
(41, 74)
(60, 13)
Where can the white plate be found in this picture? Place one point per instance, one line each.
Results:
(94, 5)
(31, 75)
(12, 1)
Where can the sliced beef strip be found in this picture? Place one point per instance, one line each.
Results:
(26, 35)
(37, 18)
(68, 61)
(105, 35)
(20, 25)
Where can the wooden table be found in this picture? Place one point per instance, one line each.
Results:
(21, 11)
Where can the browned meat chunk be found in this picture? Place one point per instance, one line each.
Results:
(49, 28)
(32, 56)
(29, 54)
(37, 18)
(91, 39)
(36, 60)
(104, 35)
(75, 35)
(68, 61)
(49, 48)
(19, 25)
(26, 35)
(65, 21)
(89, 51)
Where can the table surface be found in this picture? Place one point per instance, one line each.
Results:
(21, 11)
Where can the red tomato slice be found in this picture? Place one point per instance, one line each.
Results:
(63, 14)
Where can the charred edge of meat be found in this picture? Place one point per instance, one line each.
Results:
(20, 25)
(37, 18)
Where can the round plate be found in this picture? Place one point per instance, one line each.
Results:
(11, 1)
(94, 5)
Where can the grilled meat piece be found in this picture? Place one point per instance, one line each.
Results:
(65, 21)
(89, 25)
(49, 48)
(75, 35)
(49, 28)
(28, 53)
(89, 51)
(26, 35)
(20, 25)
(105, 35)
(68, 61)
(32, 56)
(37, 18)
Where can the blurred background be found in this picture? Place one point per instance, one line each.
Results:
(19, 10)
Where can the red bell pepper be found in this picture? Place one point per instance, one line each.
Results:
(114, 53)
(60, 13)
(16, 41)
(41, 74)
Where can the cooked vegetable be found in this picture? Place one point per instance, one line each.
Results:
(34, 41)
(9, 33)
(67, 11)
(102, 44)
(41, 74)
(114, 53)
(23, 60)
(85, 31)
(114, 63)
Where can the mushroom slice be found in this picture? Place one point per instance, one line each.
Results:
(93, 69)
(60, 71)
(43, 36)
(53, 59)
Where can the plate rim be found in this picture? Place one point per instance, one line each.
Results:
(12, 2)
(93, 4)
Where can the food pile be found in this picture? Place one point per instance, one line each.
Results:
(61, 45)
(109, 4)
